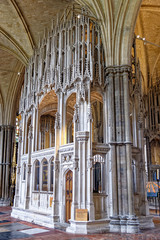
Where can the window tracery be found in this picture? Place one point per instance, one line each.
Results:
(37, 175)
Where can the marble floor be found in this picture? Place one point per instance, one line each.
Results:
(11, 228)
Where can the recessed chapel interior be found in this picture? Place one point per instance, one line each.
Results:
(80, 112)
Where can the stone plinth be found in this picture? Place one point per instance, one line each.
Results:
(146, 222)
(88, 227)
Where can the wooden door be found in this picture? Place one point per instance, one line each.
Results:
(68, 194)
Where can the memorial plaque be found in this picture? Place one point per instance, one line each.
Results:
(81, 214)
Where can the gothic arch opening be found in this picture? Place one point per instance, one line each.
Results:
(71, 101)
(97, 113)
(47, 113)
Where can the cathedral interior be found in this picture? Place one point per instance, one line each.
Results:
(80, 112)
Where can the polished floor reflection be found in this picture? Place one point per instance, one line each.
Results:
(11, 228)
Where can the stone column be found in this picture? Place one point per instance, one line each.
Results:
(121, 194)
(75, 164)
(62, 113)
(125, 74)
(148, 149)
(18, 173)
(25, 135)
(83, 146)
(90, 204)
(55, 205)
(8, 161)
(50, 132)
(113, 201)
(5, 163)
(22, 126)
(143, 204)
(1, 158)
(37, 137)
(34, 123)
(28, 176)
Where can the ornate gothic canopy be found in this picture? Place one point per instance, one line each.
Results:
(22, 24)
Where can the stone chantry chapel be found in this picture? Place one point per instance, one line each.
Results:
(79, 112)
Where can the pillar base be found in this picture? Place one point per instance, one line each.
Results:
(27, 202)
(124, 224)
(146, 222)
(91, 211)
(5, 202)
(16, 201)
(88, 227)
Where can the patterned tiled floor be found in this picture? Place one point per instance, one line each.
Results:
(11, 228)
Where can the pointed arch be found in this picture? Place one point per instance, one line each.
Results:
(117, 22)
(127, 25)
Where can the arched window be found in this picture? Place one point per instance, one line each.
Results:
(98, 174)
(37, 171)
(44, 175)
(24, 172)
(51, 174)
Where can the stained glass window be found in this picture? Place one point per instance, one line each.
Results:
(45, 175)
(37, 170)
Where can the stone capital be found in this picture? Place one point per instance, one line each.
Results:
(7, 127)
(82, 136)
(112, 70)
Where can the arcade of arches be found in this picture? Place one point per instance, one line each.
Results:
(79, 112)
